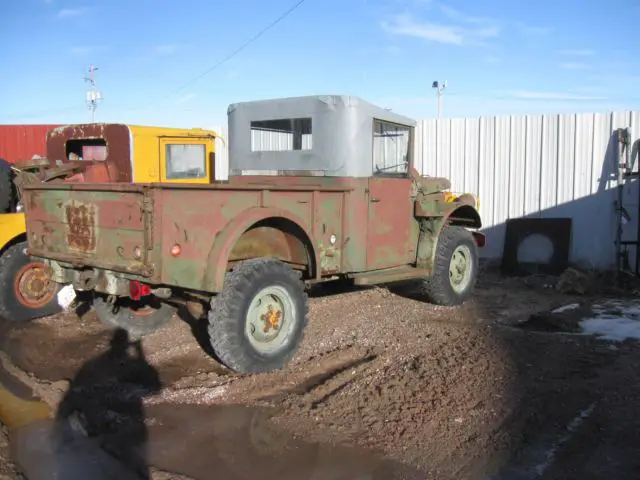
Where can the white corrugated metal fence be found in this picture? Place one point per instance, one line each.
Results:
(536, 166)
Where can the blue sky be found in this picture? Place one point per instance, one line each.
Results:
(498, 56)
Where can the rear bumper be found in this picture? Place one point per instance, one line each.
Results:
(91, 279)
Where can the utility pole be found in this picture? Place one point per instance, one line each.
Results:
(93, 94)
(439, 90)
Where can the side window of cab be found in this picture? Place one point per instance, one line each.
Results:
(391, 149)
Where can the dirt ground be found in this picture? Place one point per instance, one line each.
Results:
(384, 386)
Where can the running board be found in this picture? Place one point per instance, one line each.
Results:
(388, 275)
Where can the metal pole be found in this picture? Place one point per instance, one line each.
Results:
(439, 103)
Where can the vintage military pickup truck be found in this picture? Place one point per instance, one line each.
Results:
(321, 188)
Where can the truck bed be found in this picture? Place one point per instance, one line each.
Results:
(89, 226)
(132, 228)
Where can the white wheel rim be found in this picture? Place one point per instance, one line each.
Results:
(270, 320)
(460, 268)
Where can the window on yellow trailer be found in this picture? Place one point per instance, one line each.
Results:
(186, 161)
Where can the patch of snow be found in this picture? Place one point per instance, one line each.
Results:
(617, 329)
(566, 308)
(614, 320)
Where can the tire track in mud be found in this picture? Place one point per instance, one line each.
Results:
(314, 381)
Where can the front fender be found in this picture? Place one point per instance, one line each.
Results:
(464, 215)
(217, 260)
(12, 225)
(459, 210)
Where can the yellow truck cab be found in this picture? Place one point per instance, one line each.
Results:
(103, 152)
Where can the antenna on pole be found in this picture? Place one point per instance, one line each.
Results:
(439, 89)
(93, 94)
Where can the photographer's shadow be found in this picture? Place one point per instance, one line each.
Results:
(102, 413)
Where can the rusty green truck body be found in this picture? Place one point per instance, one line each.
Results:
(321, 188)
(188, 236)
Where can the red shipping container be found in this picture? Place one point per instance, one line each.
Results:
(21, 142)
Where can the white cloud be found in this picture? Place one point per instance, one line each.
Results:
(82, 50)
(168, 49)
(406, 25)
(186, 98)
(532, 30)
(393, 50)
(557, 96)
(575, 66)
(71, 12)
(458, 16)
(584, 52)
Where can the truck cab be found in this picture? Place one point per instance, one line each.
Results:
(94, 152)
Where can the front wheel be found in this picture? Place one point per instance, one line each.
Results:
(455, 268)
(137, 318)
(257, 322)
(26, 293)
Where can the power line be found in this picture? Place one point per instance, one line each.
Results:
(242, 47)
(216, 65)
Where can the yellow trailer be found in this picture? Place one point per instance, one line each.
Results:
(102, 152)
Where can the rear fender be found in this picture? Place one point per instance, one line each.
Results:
(218, 258)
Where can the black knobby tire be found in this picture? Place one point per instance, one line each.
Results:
(15, 304)
(438, 287)
(6, 187)
(128, 318)
(229, 312)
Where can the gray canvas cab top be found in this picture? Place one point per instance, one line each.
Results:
(326, 135)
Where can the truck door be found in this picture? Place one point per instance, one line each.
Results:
(186, 160)
(389, 197)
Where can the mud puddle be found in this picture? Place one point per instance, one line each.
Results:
(239, 442)
(235, 442)
(115, 436)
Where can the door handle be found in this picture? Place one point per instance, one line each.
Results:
(375, 200)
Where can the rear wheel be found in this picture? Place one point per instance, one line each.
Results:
(455, 268)
(26, 292)
(257, 322)
(137, 318)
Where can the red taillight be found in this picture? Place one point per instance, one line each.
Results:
(479, 238)
(138, 290)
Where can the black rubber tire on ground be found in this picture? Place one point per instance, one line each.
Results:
(12, 261)
(126, 318)
(229, 310)
(6, 186)
(437, 287)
